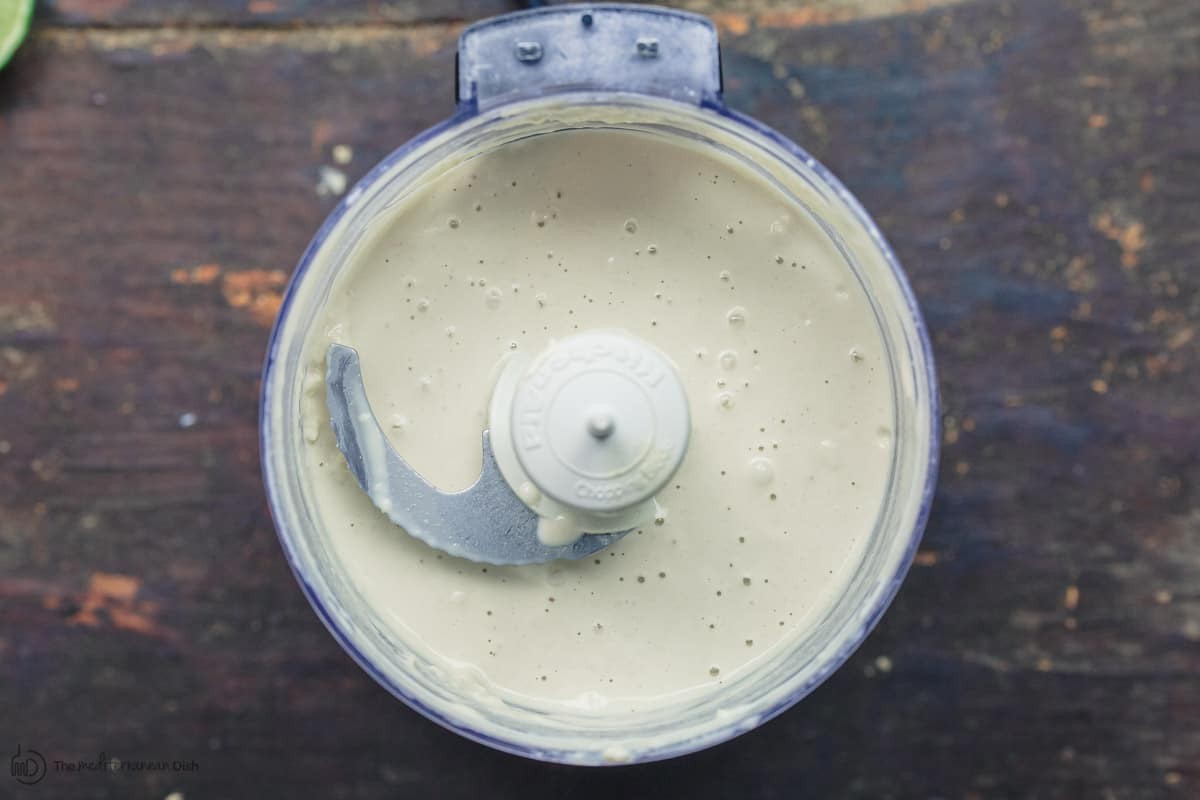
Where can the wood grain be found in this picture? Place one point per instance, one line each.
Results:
(263, 13)
(1035, 165)
(736, 15)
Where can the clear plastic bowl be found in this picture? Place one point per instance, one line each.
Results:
(777, 682)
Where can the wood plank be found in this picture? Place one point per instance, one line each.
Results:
(263, 13)
(735, 15)
(1036, 166)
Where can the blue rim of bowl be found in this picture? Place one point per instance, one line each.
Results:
(465, 112)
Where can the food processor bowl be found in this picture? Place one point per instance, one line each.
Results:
(655, 72)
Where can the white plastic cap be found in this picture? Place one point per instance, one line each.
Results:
(600, 421)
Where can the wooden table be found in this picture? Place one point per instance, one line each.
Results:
(1035, 164)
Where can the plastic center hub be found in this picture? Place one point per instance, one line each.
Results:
(600, 421)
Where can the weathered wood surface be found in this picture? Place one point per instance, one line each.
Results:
(1037, 167)
(308, 13)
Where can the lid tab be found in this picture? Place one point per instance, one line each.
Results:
(641, 49)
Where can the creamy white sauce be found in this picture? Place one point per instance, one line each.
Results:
(781, 359)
